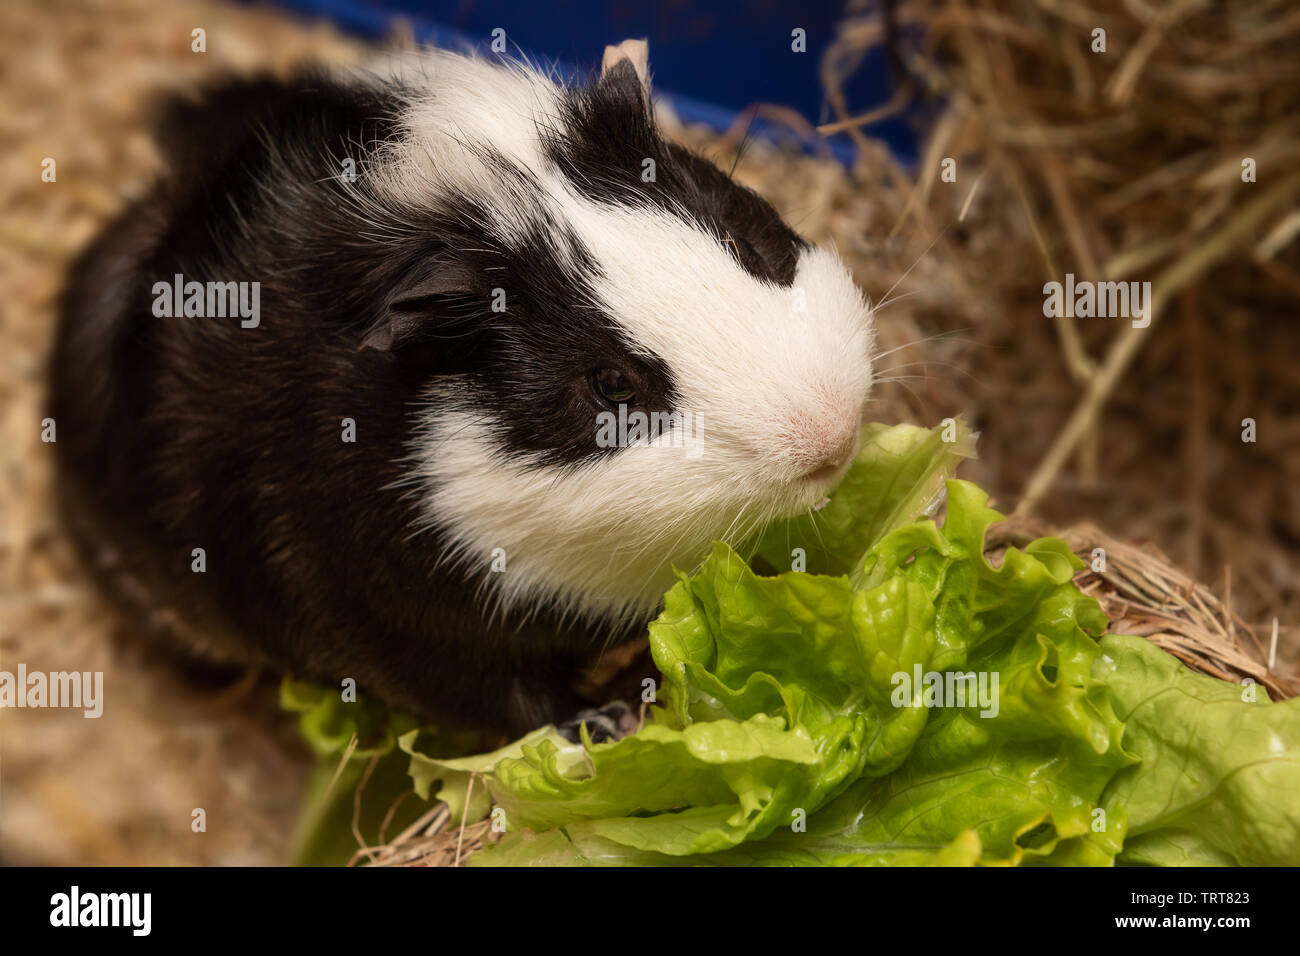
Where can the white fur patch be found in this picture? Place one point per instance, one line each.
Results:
(775, 377)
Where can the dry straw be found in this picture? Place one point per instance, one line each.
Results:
(1125, 165)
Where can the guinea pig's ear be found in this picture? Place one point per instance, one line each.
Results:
(418, 313)
(627, 64)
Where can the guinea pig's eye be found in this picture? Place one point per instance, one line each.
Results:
(613, 386)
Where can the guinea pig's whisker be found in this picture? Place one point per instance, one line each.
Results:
(741, 514)
(903, 378)
(692, 529)
(921, 362)
(740, 151)
(748, 537)
(926, 363)
(885, 300)
(771, 513)
(927, 338)
(812, 518)
(880, 307)
(920, 403)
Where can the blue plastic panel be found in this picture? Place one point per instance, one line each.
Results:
(710, 60)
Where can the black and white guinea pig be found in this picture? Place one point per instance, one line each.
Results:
(386, 463)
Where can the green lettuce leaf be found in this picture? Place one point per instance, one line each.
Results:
(897, 476)
(1219, 778)
(786, 732)
(902, 701)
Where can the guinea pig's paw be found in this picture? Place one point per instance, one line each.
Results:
(614, 721)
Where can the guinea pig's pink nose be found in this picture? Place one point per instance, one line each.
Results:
(834, 456)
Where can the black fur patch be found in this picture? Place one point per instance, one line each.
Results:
(522, 334)
(184, 433)
(607, 134)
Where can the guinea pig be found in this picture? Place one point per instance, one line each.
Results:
(430, 375)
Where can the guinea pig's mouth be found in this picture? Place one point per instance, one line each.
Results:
(818, 483)
(814, 488)
(827, 474)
